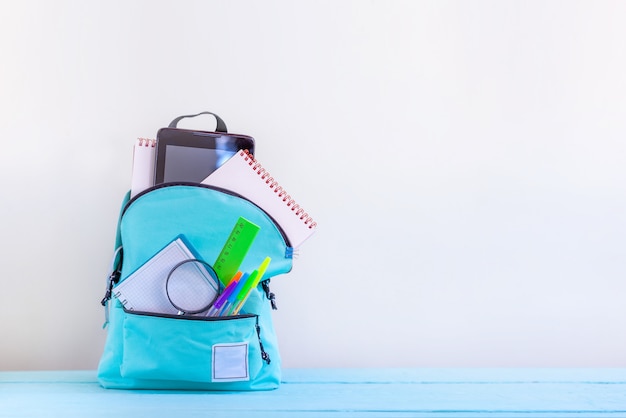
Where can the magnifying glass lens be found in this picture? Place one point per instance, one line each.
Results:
(192, 287)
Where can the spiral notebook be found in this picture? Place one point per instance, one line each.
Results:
(143, 166)
(243, 175)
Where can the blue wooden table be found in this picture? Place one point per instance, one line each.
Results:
(493, 393)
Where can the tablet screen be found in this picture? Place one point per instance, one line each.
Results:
(192, 164)
(190, 156)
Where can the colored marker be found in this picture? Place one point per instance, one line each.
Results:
(251, 283)
(224, 296)
(242, 292)
(230, 302)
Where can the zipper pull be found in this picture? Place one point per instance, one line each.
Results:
(109, 291)
(114, 276)
(264, 355)
(107, 296)
(269, 294)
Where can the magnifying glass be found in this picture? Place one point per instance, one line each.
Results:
(192, 286)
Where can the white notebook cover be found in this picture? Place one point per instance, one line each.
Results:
(243, 175)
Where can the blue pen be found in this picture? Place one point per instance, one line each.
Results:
(232, 298)
(251, 283)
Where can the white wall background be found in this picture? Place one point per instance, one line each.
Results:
(465, 162)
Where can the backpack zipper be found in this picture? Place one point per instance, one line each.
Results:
(218, 189)
(264, 355)
(116, 272)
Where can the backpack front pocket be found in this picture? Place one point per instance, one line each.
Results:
(193, 349)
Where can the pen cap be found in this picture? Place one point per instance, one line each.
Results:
(247, 285)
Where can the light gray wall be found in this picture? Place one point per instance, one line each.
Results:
(464, 160)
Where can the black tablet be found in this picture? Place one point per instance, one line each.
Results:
(190, 156)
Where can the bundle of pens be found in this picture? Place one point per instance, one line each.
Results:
(236, 292)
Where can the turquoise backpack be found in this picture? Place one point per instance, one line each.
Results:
(159, 351)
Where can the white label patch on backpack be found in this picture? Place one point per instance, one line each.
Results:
(230, 362)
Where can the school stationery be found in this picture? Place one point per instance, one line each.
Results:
(242, 174)
(251, 283)
(191, 287)
(143, 166)
(233, 297)
(235, 249)
(165, 278)
(223, 298)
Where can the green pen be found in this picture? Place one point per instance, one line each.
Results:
(234, 308)
(251, 283)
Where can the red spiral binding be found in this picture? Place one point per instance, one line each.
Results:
(280, 192)
(146, 142)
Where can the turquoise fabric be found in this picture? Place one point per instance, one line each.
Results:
(159, 352)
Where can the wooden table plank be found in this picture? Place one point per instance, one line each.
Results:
(336, 392)
(456, 375)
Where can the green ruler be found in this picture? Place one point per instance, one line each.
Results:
(235, 249)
